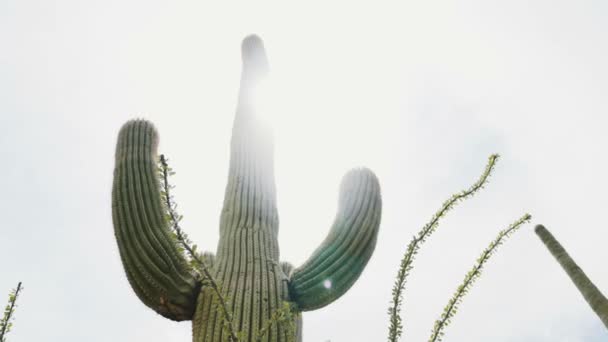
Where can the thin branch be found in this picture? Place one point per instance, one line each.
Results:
(450, 310)
(396, 327)
(283, 313)
(183, 239)
(9, 310)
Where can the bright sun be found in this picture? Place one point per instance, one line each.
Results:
(268, 100)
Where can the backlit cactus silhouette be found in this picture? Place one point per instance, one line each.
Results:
(590, 292)
(246, 265)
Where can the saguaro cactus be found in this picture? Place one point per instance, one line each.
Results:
(246, 266)
(590, 292)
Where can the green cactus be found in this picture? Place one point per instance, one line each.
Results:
(246, 267)
(590, 292)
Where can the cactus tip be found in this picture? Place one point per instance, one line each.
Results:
(254, 53)
(539, 228)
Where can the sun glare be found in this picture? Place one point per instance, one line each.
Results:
(267, 99)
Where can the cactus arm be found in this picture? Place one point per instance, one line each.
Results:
(156, 269)
(590, 292)
(339, 260)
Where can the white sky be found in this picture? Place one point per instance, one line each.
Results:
(420, 91)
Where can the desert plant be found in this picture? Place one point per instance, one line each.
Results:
(9, 312)
(450, 309)
(253, 285)
(406, 265)
(590, 292)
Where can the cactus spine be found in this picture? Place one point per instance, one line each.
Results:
(246, 266)
(590, 292)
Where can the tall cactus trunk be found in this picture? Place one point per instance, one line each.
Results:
(247, 261)
(590, 292)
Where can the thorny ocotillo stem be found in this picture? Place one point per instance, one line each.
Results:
(280, 315)
(450, 310)
(182, 240)
(396, 327)
(5, 323)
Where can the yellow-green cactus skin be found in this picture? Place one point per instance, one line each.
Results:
(246, 265)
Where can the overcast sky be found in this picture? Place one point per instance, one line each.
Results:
(422, 92)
